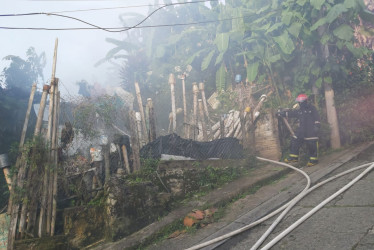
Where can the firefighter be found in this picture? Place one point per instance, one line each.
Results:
(309, 124)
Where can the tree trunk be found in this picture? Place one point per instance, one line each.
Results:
(332, 117)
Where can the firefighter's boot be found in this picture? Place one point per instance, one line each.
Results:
(312, 161)
(292, 159)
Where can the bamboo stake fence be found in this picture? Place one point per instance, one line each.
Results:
(24, 222)
(143, 139)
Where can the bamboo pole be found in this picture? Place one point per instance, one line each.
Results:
(55, 171)
(195, 91)
(173, 109)
(50, 112)
(106, 149)
(49, 193)
(202, 90)
(51, 95)
(139, 128)
(134, 142)
(52, 162)
(229, 121)
(185, 127)
(39, 120)
(54, 60)
(202, 120)
(22, 141)
(22, 173)
(238, 128)
(48, 175)
(126, 159)
(15, 205)
(25, 124)
(152, 123)
(222, 127)
(140, 103)
(27, 198)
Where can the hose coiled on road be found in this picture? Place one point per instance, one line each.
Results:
(285, 208)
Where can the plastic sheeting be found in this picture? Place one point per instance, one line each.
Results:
(225, 148)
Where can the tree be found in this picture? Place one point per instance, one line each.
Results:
(17, 80)
(21, 73)
(15, 87)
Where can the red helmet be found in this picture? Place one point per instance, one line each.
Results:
(301, 98)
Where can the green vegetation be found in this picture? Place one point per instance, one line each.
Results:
(292, 46)
(213, 177)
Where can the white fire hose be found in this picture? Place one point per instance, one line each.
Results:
(285, 208)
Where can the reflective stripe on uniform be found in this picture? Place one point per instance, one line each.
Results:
(311, 139)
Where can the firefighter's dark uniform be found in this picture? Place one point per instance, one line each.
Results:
(309, 124)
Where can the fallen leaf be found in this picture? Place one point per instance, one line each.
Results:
(198, 214)
(209, 212)
(189, 221)
(176, 234)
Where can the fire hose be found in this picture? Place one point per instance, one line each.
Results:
(290, 204)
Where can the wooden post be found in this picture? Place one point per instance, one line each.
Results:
(50, 112)
(55, 148)
(51, 161)
(141, 110)
(39, 120)
(185, 127)
(139, 128)
(222, 127)
(49, 193)
(202, 89)
(195, 91)
(152, 123)
(202, 120)
(45, 195)
(31, 99)
(22, 141)
(106, 149)
(25, 205)
(126, 159)
(173, 108)
(15, 203)
(51, 95)
(22, 173)
(134, 142)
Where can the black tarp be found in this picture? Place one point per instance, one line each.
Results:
(225, 148)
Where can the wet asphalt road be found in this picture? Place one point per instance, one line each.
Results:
(347, 222)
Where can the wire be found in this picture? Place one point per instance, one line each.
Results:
(120, 28)
(93, 25)
(124, 7)
(108, 8)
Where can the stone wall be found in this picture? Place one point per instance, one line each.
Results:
(267, 139)
(184, 177)
(129, 206)
(83, 225)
